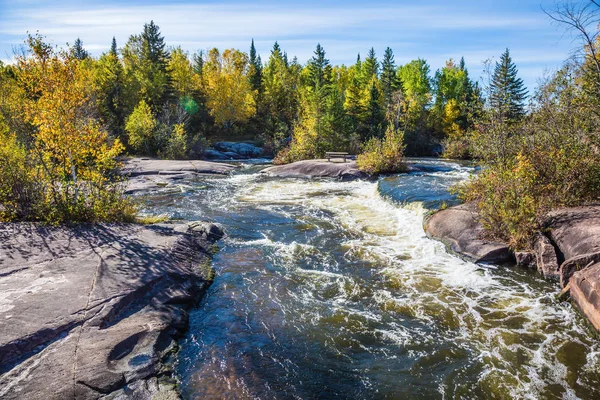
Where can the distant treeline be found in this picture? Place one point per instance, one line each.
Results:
(163, 101)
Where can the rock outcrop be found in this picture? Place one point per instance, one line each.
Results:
(93, 311)
(546, 259)
(345, 171)
(148, 173)
(575, 232)
(233, 151)
(459, 229)
(585, 292)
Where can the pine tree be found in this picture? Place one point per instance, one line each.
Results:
(78, 51)
(507, 91)
(113, 47)
(389, 79)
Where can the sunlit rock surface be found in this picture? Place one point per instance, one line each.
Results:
(91, 310)
(345, 171)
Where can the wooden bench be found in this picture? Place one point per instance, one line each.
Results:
(335, 154)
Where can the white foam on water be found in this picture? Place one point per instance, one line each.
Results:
(426, 276)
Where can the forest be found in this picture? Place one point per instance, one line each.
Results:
(65, 116)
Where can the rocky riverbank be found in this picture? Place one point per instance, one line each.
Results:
(344, 171)
(148, 173)
(568, 249)
(93, 312)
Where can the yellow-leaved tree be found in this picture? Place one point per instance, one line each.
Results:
(230, 96)
(74, 158)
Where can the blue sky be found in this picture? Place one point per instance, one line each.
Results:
(435, 30)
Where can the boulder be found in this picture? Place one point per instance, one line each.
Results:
(345, 171)
(546, 259)
(89, 311)
(574, 264)
(585, 292)
(240, 150)
(458, 228)
(575, 231)
(526, 259)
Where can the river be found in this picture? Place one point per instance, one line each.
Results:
(331, 290)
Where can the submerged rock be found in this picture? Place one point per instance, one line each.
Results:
(526, 259)
(345, 171)
(459, 229)
(92, 310)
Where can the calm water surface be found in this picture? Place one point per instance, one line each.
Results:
(331, 290)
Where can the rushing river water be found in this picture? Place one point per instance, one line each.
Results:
(331, 289)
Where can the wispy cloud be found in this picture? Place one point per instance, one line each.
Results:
(434, 31)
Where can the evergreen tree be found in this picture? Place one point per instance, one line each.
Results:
(370, 67)
(507, 91)
(255, 73)
(389, 78)
(78, 51)
(318, 69)
(276, 47)
(153, 46)
(198, 62)
(109, 81)
(113, 47)
(372, 118)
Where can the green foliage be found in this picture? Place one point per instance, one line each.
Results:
(550, 160)
(64, 171)
(140, 127)
(176, 147)
(389, 78)
(383, 155)
(19, 190)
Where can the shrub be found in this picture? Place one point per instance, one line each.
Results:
(383, 155)
(140, 127)
(176, 147)
(457, 148)
(549, 161)
(508, 202)
(19, 191)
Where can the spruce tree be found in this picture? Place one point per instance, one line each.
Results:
(78, 51)
(389, 79)
(370, 66)
(198, 62)
(255, 74)
(153, 46)
(318, 69)
(507, 91)
(113, 47)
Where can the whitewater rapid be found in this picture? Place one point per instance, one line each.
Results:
(331, 289)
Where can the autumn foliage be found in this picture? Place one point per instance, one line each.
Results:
(64, 170)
